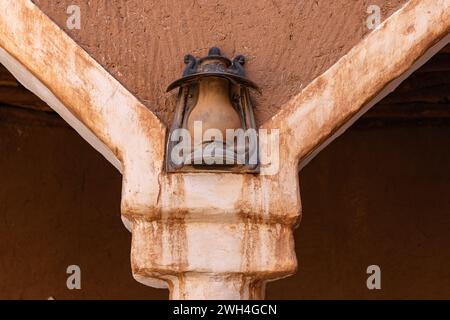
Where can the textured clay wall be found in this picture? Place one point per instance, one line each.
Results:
(287, 42)
(374, 196)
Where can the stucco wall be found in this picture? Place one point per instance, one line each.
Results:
(288, 43)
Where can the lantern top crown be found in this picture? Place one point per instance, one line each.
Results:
(214, 64)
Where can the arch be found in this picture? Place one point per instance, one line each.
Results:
(371, 70)
(51, 65)
(108, 116)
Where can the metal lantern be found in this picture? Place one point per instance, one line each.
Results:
(214, 126)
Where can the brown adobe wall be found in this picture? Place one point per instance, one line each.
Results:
(288, 43)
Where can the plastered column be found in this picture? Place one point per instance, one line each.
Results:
(215, 236)
(216, 287)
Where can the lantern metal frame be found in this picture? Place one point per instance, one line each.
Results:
(213, 65)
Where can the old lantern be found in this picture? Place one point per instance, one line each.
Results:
(213, 127)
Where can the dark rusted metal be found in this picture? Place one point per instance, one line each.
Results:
(214, 65)
(220, 66)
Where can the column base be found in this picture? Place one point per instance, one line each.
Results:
(215, 287)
